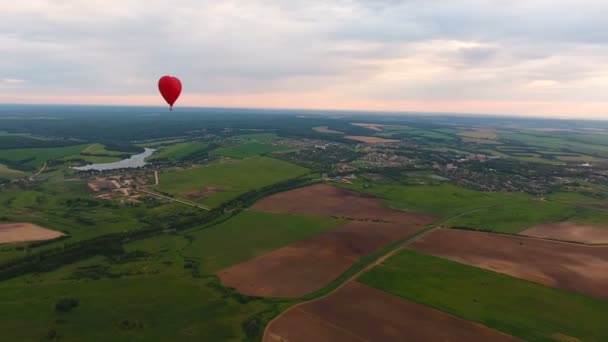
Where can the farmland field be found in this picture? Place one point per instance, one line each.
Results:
(570, 231)
(247, 150)
(359, 313)
(308, 265)
(21, 232)
(100, 149)
(441, 200)
(569, 266)
(251, 234)
(179, 151)
(231, 178)
(517, 307)
(323, 199)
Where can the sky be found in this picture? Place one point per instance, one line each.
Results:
(521, 57)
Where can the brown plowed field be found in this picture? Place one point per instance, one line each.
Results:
(371, 140)
(569, 231)
(569, 266)
(308, 265)
(360, 313)
(22, 232)
(326, 200)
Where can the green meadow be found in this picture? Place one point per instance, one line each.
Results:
(8, 173)
(229, 178)
(247, 150)
(178, 151)
(518, 307)
(101, 149)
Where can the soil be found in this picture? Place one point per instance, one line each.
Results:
(309, 265)
(373, 127)
(569, 266)
(326, 200)
(481, 133)
(569, 231)
(22, 232)
(360, 313)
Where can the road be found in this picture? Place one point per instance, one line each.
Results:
(377, 262)
(39, 171)
(195, 205)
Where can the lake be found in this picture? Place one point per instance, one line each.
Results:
(135, 161)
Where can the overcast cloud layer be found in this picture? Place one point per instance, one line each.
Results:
(519, 56)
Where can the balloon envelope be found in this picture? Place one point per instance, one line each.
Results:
(170, 87)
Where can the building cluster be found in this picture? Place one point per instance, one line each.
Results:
(122, 188)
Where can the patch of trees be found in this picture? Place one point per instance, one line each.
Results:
(66, 304)
(11, 141)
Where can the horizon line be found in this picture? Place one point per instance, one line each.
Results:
(361, 111)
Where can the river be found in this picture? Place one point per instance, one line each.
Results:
(135, 161)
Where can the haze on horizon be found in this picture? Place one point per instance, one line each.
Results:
(528, 57)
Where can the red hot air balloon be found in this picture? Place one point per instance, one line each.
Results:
(170, 87)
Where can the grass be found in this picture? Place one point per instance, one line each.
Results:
(138, 308)
(101, 149)
(179, 151)
(247, 150)
(250, 234)
(8, 173)
(521, 308)
(259, 137)
(35, 157)
(442, 200)
(556, 143)
(515, 217)
(231, 178)
(165, 301)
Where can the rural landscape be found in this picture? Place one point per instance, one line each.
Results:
(202, 224)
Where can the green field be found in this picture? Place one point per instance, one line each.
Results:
(35, 157)
(8, 173)
(259, 137)
(230, 178)
(515, 217)
(500, 212)
(247, 150)
(101, 149)
(251, 234)
(179, 151)
(442, 200)
(521, 308)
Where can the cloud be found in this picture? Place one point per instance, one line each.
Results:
(367, 52)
